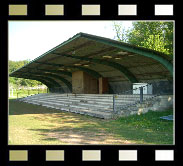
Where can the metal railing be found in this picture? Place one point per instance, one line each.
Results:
(141, 97)
(20, 93)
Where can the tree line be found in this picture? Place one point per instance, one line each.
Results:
(20, 82)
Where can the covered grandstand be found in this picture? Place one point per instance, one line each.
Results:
(91, 64)
(88, 64)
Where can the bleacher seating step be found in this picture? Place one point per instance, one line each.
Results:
(96, 105)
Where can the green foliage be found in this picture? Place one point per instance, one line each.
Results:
(157, 35)
(121, 32)
(19, 82)
(155, 42)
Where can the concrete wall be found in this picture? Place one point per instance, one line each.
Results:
(159, 103)
(84, 83)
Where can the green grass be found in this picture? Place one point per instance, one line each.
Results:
(151, 121)
(32, 125)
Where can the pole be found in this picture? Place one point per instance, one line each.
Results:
(141, 94)
(114, 104)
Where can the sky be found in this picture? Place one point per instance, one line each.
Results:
(29, 39)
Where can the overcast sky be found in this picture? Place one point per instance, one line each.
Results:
(30, 39)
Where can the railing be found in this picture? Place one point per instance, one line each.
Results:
(19, 93)
(130, 92)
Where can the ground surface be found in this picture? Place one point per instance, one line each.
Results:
(36, 125)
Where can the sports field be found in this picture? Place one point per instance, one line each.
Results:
(36, 125)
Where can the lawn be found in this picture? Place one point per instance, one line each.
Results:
(36, 125)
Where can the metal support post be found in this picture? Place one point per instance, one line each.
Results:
(141, 94)
(114, 109)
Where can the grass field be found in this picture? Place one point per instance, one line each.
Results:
(36, 125)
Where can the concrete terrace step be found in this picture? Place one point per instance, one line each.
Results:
(88, 102)
(81, 105)
(97, 105)
(89, 95)
(67, 108)
(99, 114)
(71, 97)
(76, 100)
(80, 110)
(85, 98)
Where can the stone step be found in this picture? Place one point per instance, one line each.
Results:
(65, 97)
(89, 95)
(108, 102)
(93, 107)
(99, 114)
(87, 99)
(96, 113)
(97, 103)
(88, 104)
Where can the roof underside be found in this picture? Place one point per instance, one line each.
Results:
(100, 57)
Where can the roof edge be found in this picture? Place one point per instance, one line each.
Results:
(63, 43)
(108, 41)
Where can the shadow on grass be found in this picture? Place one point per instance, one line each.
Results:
(71, 128)
(19, 108)
(94, 131)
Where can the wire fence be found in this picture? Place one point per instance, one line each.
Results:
(136, 96)
(19, 93)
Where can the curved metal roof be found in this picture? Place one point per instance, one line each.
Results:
(100, 57)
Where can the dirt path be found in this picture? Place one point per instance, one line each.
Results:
(86, 138)
(77, 129)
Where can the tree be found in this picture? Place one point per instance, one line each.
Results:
(121, 32)
(17, 82)
(157, 35)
